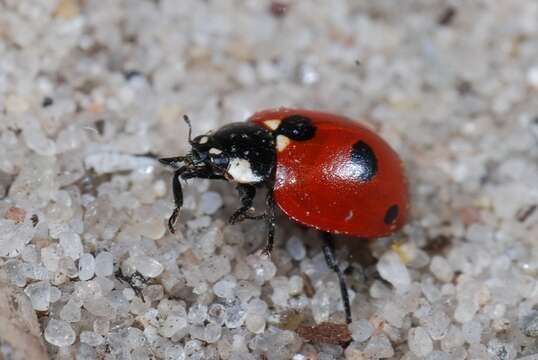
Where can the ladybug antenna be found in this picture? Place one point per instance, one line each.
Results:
(188, 121)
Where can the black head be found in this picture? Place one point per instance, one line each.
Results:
(240, 152)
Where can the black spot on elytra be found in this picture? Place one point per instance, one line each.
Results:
(365, 162)
(391, 215)
(297, 127)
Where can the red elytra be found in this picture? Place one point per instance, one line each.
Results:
(345, 179)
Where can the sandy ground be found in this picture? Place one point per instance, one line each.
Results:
(86, 86)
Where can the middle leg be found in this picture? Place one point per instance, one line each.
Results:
(247, 193)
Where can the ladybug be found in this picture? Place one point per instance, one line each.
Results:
(322, 170)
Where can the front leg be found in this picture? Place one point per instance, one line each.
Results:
(247, 193)
(178, 199)
(185, 173)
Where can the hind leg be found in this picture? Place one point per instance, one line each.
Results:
(270, 222)
(330, 259)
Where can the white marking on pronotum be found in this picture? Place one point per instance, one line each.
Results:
(282, 142)
(215, 151)
(272, 124)
(241, 171)
(203, 140)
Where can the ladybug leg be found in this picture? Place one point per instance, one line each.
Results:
(330, 259)
(178, 199)
(172, 161)
(270, 221)
(247, 193)
(185, 173)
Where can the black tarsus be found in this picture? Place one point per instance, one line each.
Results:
(172, 161)
(148, 155)
(330, 258)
